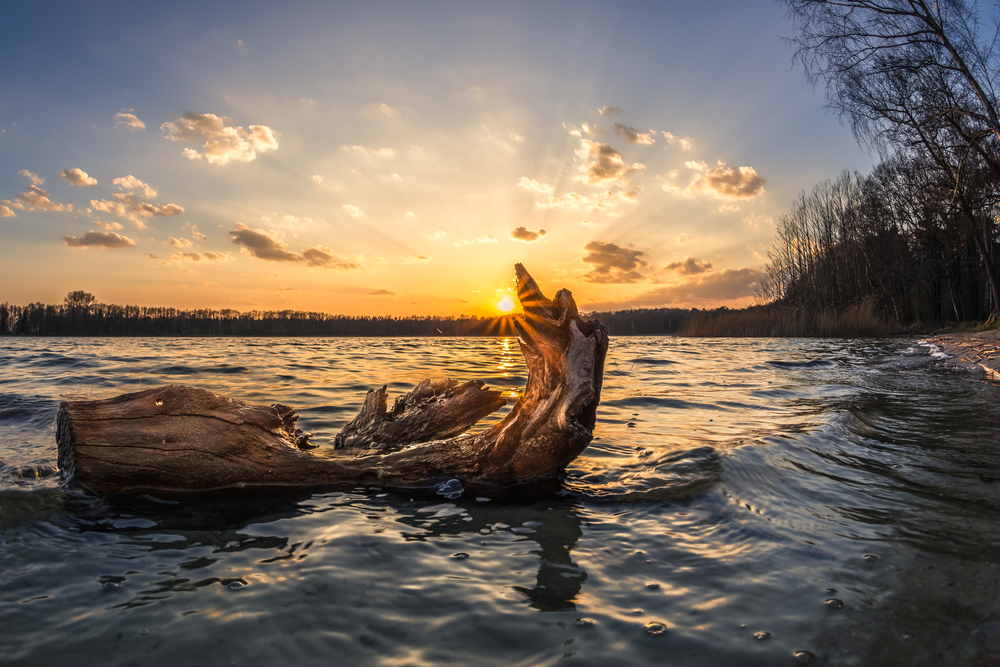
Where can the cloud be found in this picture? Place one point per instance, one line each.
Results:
(381, 292)
(353, 210)
(610, 111)
(34, 178)
(613, 264)
(525, 234)
(689, 267)
(79, 178)
(34, 198)
(126, 120)
(601, 201)
(93, 239)
(534, 186)
(722, 286)
(178, 256)
(196, 234)
(632, 135)
(260, 244)
(323, 258)
(131, 207)
(223, 143)
(385, 111)
(5, 212)
(114, 226)
(179, 243)
(603, 165)
(685, 142)
(721, 182)
(132, 183)
(386, 153)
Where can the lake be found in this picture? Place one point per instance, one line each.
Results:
(744, 502)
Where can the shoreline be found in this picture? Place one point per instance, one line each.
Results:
(973, 350)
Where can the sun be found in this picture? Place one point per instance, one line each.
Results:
(505, 305)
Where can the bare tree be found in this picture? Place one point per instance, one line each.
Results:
(915, 77)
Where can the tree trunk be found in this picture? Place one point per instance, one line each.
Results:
(179, 439)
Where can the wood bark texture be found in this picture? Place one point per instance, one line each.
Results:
(176, 439)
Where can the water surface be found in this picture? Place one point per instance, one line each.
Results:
(745, 502)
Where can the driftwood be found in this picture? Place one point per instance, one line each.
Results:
(177, 438)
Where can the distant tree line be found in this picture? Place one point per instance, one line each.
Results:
(82, 315)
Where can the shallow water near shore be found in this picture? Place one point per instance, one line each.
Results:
(744, 502)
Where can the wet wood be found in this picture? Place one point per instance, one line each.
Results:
(179, 439)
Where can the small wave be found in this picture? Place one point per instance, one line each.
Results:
(178, 369)
(656, 401)
(674, 474)
(812, 364)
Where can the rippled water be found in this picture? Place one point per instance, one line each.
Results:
(745, 502)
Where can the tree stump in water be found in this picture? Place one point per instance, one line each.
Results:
(177, 439)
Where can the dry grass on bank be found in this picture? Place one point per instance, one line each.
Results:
(765, 321)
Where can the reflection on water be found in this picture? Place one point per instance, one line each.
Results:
(745, 502)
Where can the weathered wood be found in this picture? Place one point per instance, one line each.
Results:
(177, 438)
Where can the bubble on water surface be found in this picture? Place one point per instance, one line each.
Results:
(870, 558)
(762, 635)
(110, 587)
(833, 603)
(586, 622)
(804, 657)
(652, 585)
(460, 555)
(656, 629)
(451, 489)
(236, 585)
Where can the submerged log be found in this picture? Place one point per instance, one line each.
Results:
(176, 438)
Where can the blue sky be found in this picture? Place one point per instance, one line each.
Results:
(399, 157)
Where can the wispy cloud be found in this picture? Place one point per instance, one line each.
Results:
(611, 111)
(323, 258)
(35, 198)
(129, 206)
(34, 178)
(353, 211)
(534, 186)
(208, 256)
(525, 234)
(127, 120)
(92, 239)
(263, 245)
(689, 267)
(632, 135)
(613, 264)
(381, 292)
(130, 182)
(78, 177)
(724, 285)
(179, 242)
(222, 143)
(686, 143)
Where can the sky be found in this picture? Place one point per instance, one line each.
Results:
(398, 158)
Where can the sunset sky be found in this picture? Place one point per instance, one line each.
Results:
(397, 158)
